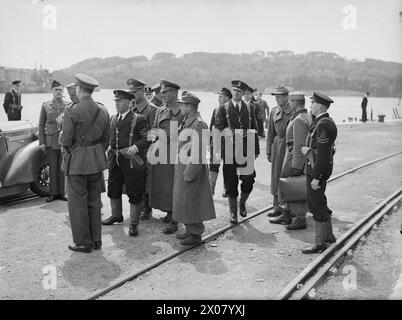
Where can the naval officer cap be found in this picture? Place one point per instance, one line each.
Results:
(297, 95)
(135, 84)
(280, 90)
(226, 92)
(250, 90)
(86, 81)
(168, 85)
(239, 85)
(189, 98)
(321, 99)
(156, 88)
(55, 84)
(121, 94)
(16, 82)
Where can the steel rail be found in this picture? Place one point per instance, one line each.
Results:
(216, 233)
(314, 272)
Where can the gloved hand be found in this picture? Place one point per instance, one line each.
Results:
(296, 172)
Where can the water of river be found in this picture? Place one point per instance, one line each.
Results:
(341, 109)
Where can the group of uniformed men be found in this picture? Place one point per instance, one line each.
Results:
(298, 144)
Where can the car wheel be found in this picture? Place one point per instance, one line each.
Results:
(41, 185)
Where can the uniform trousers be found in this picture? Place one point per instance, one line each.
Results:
(231, 178)
(57, 182)
(317, 201)
(84, 207)
(134, 180)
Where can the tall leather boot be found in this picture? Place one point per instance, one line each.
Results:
(330, 235)
(233, 209)
(243, 199)
(147, 212)
(117, 212)
(213, 176)
(320, 238)
(135, 213)
(284, 218)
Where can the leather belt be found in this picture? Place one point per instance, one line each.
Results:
(88, 143)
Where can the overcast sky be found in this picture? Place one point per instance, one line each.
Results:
(89, 28)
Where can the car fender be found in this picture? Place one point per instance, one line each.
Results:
(24, 166)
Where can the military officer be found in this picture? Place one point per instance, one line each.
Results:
(157, 99)
(50, 119)
(276, 144)
(129, 132)
(148, 93)
(224, 95)
(236, 114)
(192, 199)
(12, 101)
(294, 162)
(148, 110)
(320, 151)
(85, 139)
(168, 118)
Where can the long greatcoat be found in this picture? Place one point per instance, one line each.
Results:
(276, 142)
(192, 201)
(162, 174)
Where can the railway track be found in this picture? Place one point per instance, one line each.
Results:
(300, 287)
(222, 230)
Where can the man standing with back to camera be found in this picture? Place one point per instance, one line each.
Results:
(85, 139)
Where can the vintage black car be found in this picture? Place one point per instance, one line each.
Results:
(23, 164)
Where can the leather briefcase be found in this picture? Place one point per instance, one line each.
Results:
(292, 189)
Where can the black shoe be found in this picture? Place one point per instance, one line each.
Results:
(50, 198)
(81, 248)
(243, 210)
(331, 239)
(233, 218)
(191, 240)
(182, 236)
(111, 220)
(224, 195)
(62, 197)
(172, 227)
(97, 245)
(275, 213)
(282, 219)
(314, 249)
(132, 231)
(297, 225)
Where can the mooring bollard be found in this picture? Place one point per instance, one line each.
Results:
(381, 117)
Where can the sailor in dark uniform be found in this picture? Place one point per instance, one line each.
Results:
(12, 102)
(85, 138)
(224, 95)
(50, 119)
(126, 158)
(236, 114)
(143, 107)
(320, 150)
